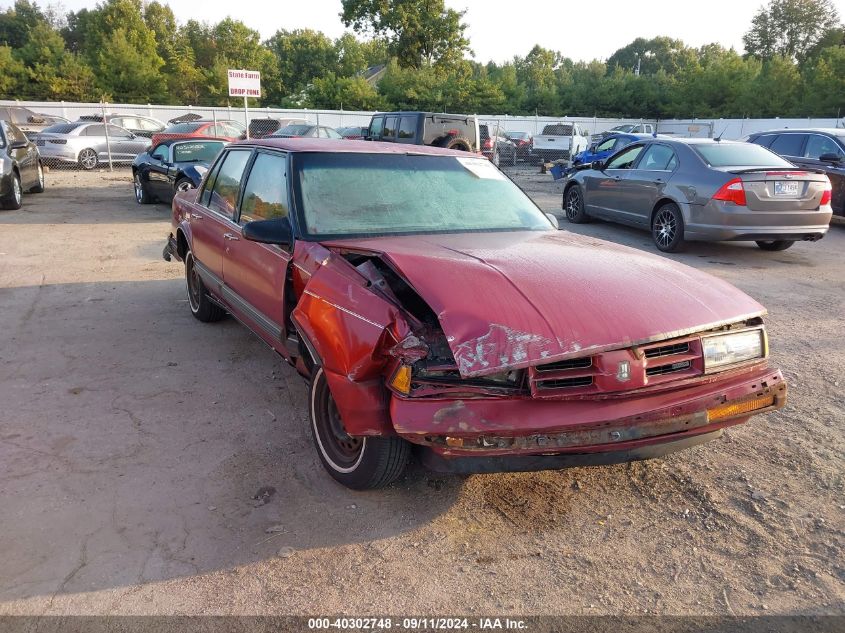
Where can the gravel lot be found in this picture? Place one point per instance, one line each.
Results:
(134, 442)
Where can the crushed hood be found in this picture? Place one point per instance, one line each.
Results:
(513, 299)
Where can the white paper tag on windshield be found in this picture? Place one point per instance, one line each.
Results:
(481, 168)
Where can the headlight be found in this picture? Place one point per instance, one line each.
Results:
(722, 350)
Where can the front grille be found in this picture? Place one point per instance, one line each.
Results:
(661, 370)
(667, 350)
(564, 365)
(565, 383)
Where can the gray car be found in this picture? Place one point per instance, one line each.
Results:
(702, 189)
(85, 143)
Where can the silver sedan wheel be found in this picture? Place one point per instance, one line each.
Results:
(17, 192)
(88, 158)
(665, 228)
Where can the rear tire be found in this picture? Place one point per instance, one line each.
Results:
(573, 205)
(775, 245)
(88, 159)
(667, 228)
(142, 196)
(203, 308)
(14, 199)
(184, 184)
(458, 143)
(360, 463)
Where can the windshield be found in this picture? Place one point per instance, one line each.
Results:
(623, 128)
(204, 152)
(365, 194)
(293, 130)
(719, 154)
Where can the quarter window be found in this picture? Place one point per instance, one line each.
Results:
(789, 144)
(607, 145)
(407, 127)
(389, 127)
(266, 190)
(224, 193)
(626, 159)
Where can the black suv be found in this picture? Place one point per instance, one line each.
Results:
(821, 149)
(453, 131)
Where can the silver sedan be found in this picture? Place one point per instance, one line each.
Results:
(86, 144)
(702, 189)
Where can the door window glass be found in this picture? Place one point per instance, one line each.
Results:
(224, 194)
(322, 132)
(607, 145)
(818, 145)
(149, 126)
(161, 152)
(407, 127)
(625, 159)
(95, 130)
(266, 190)
(333, 133)
(788, 144)
(118, 132)
(656, 158)
(389, 127)
(205, 196)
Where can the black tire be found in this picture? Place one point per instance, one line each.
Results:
(573, 205)
(142, 196)
(14, 199)
(458, 142)
(184, 184)
(667, 228)
(39, 187)
(203, 308)
(775, 245)
(360, 463)
(88, 159)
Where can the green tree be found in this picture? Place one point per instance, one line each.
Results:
(790, 28)
(418, 32)
(301, 56)
(824, 92)
(16, 22)
(347, 93)
(653, 55)
(12, 74)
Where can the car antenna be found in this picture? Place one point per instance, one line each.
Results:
(719, 138)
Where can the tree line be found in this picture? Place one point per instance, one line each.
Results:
(136, 52)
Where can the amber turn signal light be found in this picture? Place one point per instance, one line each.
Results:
(732, 410)
(401, 380)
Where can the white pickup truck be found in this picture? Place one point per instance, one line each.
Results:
(560, 141)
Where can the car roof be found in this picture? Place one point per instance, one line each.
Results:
(342, 146)
(833, 131)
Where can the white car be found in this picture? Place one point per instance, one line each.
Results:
(560, 141)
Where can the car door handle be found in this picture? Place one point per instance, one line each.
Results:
(231, 237)
(196, 216)
(658, 181)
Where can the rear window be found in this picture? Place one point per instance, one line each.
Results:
(738, 155)
(64, 128)
(184, 128)
(518, 134)
(294, 130)
(558, 130)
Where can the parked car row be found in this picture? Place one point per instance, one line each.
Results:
(351, 259)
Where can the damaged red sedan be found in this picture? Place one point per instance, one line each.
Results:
(432, 305)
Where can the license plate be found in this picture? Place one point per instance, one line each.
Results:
(787, 188)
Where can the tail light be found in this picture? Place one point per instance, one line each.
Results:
(488, 144)
(827, 195)
(732, 191)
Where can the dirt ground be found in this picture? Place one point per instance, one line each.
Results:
(134, 441)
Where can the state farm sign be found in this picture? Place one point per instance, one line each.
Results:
(244, 83)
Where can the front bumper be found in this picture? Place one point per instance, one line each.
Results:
(485, 428)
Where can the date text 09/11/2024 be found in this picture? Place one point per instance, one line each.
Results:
(415, 624)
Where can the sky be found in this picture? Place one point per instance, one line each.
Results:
(499, 30)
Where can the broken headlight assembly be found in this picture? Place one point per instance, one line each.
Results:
(406, 378)
(722, 351)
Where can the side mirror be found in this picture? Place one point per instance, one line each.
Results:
(277, 231)
(597, 165)
(553, 220)
(830, 158)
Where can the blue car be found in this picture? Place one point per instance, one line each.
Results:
(605, 147)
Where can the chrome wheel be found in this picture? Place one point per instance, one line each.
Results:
(342, 451)
(194, 284)
(573, 204)
(184, 185)
(665, 228)
(40, 176)
(88, 159)
(17, 192)
(139, 189)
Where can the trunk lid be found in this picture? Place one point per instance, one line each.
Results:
(782, 189)
(508, 300)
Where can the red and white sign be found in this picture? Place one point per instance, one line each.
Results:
(244, 83)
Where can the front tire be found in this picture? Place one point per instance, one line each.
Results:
(667, 228)
(39, 186)
(184, 184)
(142, 196)
(14, 199)
(203, 308)
(360, 463)
(573, 205)
(775, 245)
